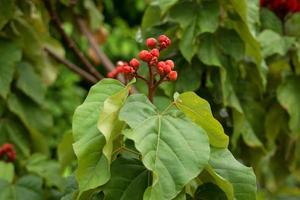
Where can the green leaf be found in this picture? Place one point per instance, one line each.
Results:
(30, 83)
(208, 16)
(34, 119)
(209, 52)
(222, 183)
(292, 25)
(240, 6)
(289, 97)
(269, 20)
(129, 179)
(7, 10)
(198, 110)
(273, 43)
(210, 191)
(65, 151)
(231, 43)
(228, 169)
(9, 55)
(243, 127)
(164, 4)
(48, 169)
(168, 149)
(190, 76)
(7, 171)
(93, 167)
(151, 17)
(184, 13)
(27, 187)
(109, 124)
(16, 134)
(186, 44)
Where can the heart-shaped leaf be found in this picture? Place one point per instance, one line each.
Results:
(173, 148)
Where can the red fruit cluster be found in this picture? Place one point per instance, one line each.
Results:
(125, 68)
(150, 56)
(8, 152)
(281, 7)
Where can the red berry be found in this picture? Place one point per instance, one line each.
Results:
(155, 52)
(11, 155)
(128, 70)
(153, 61)
(172, 76)
(160, 71)
(292, 5)
(145, 56)
(151, 43)
(134, 63)
(164, 41)
(170, 63)
(161, 64)
(111, 74)
(7, 147)
(167, 69)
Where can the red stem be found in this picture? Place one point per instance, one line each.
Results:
(150, 84)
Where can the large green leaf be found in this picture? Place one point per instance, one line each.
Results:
(9, 55)
(273, 43)
(7, 171)
(36, 120)
(27, 187)
(109, 124)
(292, 25)
(231, 43)
(289, 97)
(269, 20)
(186, 44)
(129, 180)
(208, 16)
(16, 134)
(7, 9)
(229, 170)
(30, 83)
(48, 169)
(209, 52)
(151, 17)
(173, 148)
(198, 110)
(65, 151)
(93, 166)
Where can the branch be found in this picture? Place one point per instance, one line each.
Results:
(107, 63)
(72, 66)
(109, 66)
(71, 44)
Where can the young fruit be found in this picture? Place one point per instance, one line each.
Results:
(134, 63)
(145, 56)
(151, 43)
(172, 76)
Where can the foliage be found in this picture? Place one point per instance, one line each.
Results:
(249, 61)
(243, 59)
(171, 155)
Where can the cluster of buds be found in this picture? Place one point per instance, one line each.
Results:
(150, 56)
(281, 7)
(7, 152)
(159, 71)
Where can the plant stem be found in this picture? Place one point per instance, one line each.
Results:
(150, 84)
(72, 66)
(142, 78)
(71, 44)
